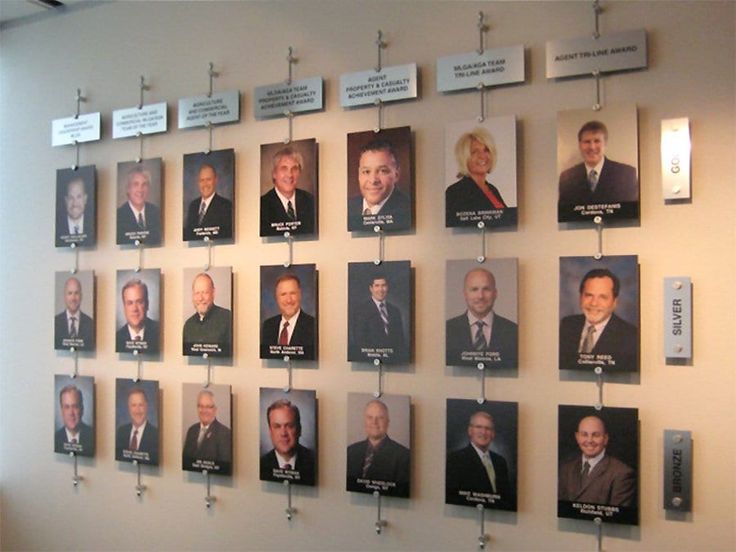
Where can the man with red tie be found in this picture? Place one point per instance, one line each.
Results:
(137, 440)
(290, 333)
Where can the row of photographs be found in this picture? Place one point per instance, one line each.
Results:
(597, 472)
(480, 172)
(598, 326)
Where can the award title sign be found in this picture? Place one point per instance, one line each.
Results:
(148, 119)
(274, 100)
(387, 85)
(491, 68)
(83, 128)
(222, 107)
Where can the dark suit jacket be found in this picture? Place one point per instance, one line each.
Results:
(85, 447)
(152, 333)
(148, 444)
(390, 463)
(272, 211)
(465, 472)
(620, 340)
(368, 331)
(219, 214)
(398, 207)
(464, 196)
(128, 230)
(504, 340)
(87, 237)
(216, 447)
(610, 482)
(616, 184)
(85, 340)
(304, 334)
(215, 329)
(304, 465)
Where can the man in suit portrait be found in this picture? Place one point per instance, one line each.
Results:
(378, 324)
(598, 333)
(72, 327)
(475, 471)
(288, 459)
(138, 439)
(381, 201)
(286, 207)
(593, 476)
(292, 332)
(598, 179)
(138, 218)
(75, 222)
(210, 215)
(74, 436)
(378, 457)
(208, 443)
(139, 333)
(209, 329)
(480, 334)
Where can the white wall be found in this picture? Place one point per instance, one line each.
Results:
(103, 50)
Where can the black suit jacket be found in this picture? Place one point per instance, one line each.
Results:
(304, 335)
(390, 463)
(219, 216)
(394, 215)
(85, 340)
(465, 472)
(123, 343)
(465, 203)
(87, 235)
(368, 332)
(619, 339)
(85, 447)
(128, 231)
(504, 341)
(304, 466)
(216, 447)
(610, 482)
(148, 444)
(273, 212)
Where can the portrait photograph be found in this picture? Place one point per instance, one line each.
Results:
(74, 310)
(207, 428)
(289, 182)
(380, 312)
(207, 304)
(76, 206)
(209, 195)
(481, 462)
(481, 309)
(138, 311)
(139, 201)
(599, 313)
(74, 415)
(380, 180)
(289, 312)
(480, 172)
(598, 464)
(137, 415)
(598, 164)
(379, 444)
(288, 435)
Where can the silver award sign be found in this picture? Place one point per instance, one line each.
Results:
(222, 107)
(387, 85)
(678, 317)
(675, 144)
(148, 119)
(276, 100)
(84, 128)
(678, 470)
(610, 52)
(491, 68)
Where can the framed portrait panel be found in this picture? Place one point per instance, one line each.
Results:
(139, 200)
(137, 415)
(209, 195)
(207, 428)
(207, 308)
(74, 415)
(74, 308)
(76, 206)
(138, 311)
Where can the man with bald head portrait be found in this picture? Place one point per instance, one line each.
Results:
(72, 327)
(480, 334)
(210, 215)
(209, 329)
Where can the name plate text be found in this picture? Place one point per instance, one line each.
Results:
(85, 128)
(222, 107)
(491, 68)
(389, 84)
(149, 119)
(275, 100)
(678, 317)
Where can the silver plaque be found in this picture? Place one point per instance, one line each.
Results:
(676, 158)
(491, 68)
(610, 52)
(275, 100)
(678, 470)
(149, 119)
(389, 84)
(222, 107)
(678, 317)
(85, 128)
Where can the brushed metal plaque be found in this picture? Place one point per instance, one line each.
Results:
(274, 100)
(149, 119)
(389, 84)
(675, 144)
(85, 128)
(491, 68)
(678, 470)
(221, 107)
(678, 317)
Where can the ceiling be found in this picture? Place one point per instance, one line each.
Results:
(18, 12)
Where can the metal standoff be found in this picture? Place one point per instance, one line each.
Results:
(76, 478)
(599, 382)
(599, 524)
(380, 45)
(142, 88)
(380, 523)
(75, 268)
(209, 370)
(596, 13)
(481, 90)
(482, 538)
(212, 75)
(76, 361)
(377, 362)
(136, 353)
(75, 166)
(208, 241)
(140, 144)
(79, 99)
(379, 104)
(289, 510)
(139, 245)
(291, 60)
(482, 28)
(139, 488)
(209, 500)
(287, 360)
(597, 77)
(598, 220)
(482, 257)
(381, 244)
(140, 363)
(209, 128)
(290, 117)
(290, 241)
(482, 368)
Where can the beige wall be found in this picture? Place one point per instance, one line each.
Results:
(106, 48)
